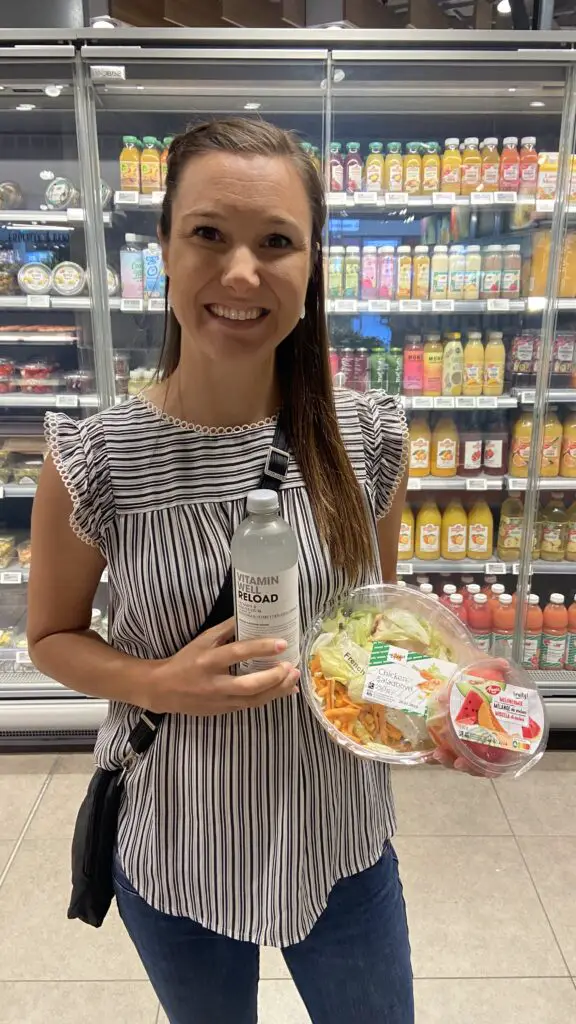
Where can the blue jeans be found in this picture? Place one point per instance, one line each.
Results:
(353, 967)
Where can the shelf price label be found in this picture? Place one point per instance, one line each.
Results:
(396, 198)
(544, 205)
(75, 213)
(517, 483)
(38, 301)
(498, 305)
(516, 568)
(506, 198)
(465, 402)
(23, 658)
(345, 306)
(10, 577)
(157, 198)
(404, 568)
(67, 401)
(443, 198)
(336, 198)
(496, 568)
(155, 305)
(365, 198)
(126, 198)
(422, 402)
(442, 305)
(378, 305)
(1, 492)
(445, 402)
(481, 199)
(487, 402)
(132, 305)
(476, 484)
(410, 306)
(414, 483)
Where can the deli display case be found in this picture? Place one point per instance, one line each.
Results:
(450, 269)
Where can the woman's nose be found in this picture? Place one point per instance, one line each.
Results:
(241, 269)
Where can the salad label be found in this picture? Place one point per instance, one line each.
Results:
(402, 679)
(496, 714)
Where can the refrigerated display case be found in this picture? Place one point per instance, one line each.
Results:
(450, 274)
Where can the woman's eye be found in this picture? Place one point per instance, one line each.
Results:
(206, 232)
(278, 242)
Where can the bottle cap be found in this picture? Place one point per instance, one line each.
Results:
(456, 599)
(528, 140)
(511, 140)
(473, 588)
(557, 598)
(497, 588)
(491, 141)
(452, 142)
(507, 599)
(426, 588)
(449, 588)
(533, 599)
(472, 141)
(262, 501)
(480, 598)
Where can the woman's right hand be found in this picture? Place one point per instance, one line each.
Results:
(197, 681)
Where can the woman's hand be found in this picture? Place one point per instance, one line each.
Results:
(449, 759)
(196, 681)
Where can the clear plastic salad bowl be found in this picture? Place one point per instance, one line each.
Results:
(371, 664)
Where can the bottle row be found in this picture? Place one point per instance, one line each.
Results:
(143, 164)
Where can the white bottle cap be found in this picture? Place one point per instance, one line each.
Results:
(473, 588)
(472, 141)
(497, 588)
(452, 142)
(449, 588)
(557, 598)
(262, 501)
(511, 140)
(434, 597)
(491, 141)
(467, 579)
(426, 588)
(528, 140)
(401, 583)
(533, 599)
(456, 599)
(507, 599)
(480, 598)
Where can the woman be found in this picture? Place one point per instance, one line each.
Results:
(243, 824)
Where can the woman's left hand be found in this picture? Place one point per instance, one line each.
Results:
(448, 759)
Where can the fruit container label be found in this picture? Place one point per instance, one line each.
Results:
(496, 714)
(402, 679)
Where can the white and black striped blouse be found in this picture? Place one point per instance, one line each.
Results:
(244, 821)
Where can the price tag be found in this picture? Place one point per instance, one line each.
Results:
(496, 568)
(157, 198)
(126, 198)
(487, 402)
(498, 305)
(67, 401)
(442, 305)
(155, 305)
(1, 492)
(445, 402)
(465, 402)
(345, 306)
(396, 198)
(104, 576)
(378, 306)
(38, 301)
(422, 402)
(132, 305)
(443, 198)
(516, 568)
(366, 198)
(410, 306)
(414, 483)
(23, 658)
(75, 213)
(404, 568)
(476, 484)
(10, 577)
(517, 484)
(508, 198)
(481, 199)
(336, 198)
(544, 205)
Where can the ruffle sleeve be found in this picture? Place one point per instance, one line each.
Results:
(386, 445)
(78, 451)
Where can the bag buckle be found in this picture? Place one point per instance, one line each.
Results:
(129, 761)
(276, 454)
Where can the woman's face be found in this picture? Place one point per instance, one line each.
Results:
(238, 256)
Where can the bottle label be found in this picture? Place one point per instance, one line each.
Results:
(493, 454)
(553, 651)
(551, 454)
(456, 282)
(493, 373)
(354, 176)
(421, 278)
(130, 175)
(472, 375)
(471, 284)
(478, 536)
(451, 174)
(511, 283)
(531, 650)
(483, 641)
(404, 277)
(553, 538)
(336, 177)
(405, 539)
(471, 174)
(267, 606)
(430, 538)
(510, 533)
(420, 453)
(395, 175)
(457, 539)
(412, 176)
(511, 173)
(529, 173)
(413, 370)
(374, 173)
(446, 453)
(491, 282)
(520, 454)
(430, 175)
(439, 285)
(571, 545)
(502, 644)
(571, 651)
(150, 171)
(472, 454)
(547, 181)
(490, 174)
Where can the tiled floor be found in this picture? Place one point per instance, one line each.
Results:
(489, 873)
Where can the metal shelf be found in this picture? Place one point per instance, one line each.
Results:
(17, 490)
(26, 401)
(71, 217)
(554, 395)
(38, 303)
(128, 200)
(462, 402)
(412, 307)
(456, 483)
(45, 338)
(465, 565)
(378, 202)
(546, 483)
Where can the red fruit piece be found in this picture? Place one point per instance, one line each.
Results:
(468, 714)
(532, 730)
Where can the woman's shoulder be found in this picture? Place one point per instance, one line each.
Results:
(370, 411)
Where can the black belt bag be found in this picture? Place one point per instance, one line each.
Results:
(97, 822)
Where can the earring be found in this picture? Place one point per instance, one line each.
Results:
(303, 313)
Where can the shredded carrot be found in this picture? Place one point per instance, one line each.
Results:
(341, 713)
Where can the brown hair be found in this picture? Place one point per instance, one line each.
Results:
(302, 359)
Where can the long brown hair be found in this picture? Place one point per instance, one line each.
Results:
(302, 359)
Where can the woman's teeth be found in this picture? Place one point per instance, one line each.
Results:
(236, 314)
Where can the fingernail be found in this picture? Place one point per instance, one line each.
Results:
(280, 645)
(295, 675)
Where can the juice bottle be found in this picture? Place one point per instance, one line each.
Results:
(150, 172)
(510, 530)
(130, 165)
(494, 364)
(473, 364)
(480, 622)
(393, 168)
(487, 588)
(336, 173)
(571, 640)
(447, 590)
(554, 633)
(502, 626)
(471, 167)
(547, 175)
(472, 273)
(454, 526)
(496, 590)
(471, 590)
(431, 167)
(452, 365)
(520, 446)
(552, 444)
(421, 273)
(480, 531)
(439, 268)
(428, 526)
(374, 168)
(444, 451)
(433, 352)
(490, 165)
(554, 530)
(413, 168)
(413, 365)
(451, 167)
(571, 537)
(353, 168)
(532, 633)
(406, 537)
(164, 160)
(510, 165)
(465, 583)
(420, 442)
(470, 453)
(456, 605)
(539, 262)
(495, 445)
(456, 272)
(403, 272)
(528, 166)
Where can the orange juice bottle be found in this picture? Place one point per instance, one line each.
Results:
(510, 165)
(494, 364)
(393, 168)
(552, 444)
(554, 633)
(130, 165)
(431, 167)
(520, 445)
(532, 633)
(453, 534)
(480, 531)
(568, 455)
(374, 168)
(433, 357)
(539, 262)
(164, 160)
(554, 530)
(428, 527)
(451, 167)
(444, 453)
(510, 530)
(473, 364)
(413, 168)
(547, 175)
(490, 165)
(503, 616)
(150, 172)
(471, 167)
(406, 538)
(420, 442)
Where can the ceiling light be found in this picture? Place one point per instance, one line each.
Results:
(252, 106)
(103, 22)
(537, 103)
(26, 106)
(53, 90)
(503, 7)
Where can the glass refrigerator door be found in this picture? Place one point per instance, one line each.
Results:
(140, 104)
(442, 185)
(46, 338)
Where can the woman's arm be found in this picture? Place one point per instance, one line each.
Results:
(389, 532)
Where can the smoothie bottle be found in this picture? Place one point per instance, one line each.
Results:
(150, 172)
(353, 168)
(571, 538)
(444, 452)
(470, 456)
(496, 591)
(480, 622)
(431, 167)
(456, 606)
(520, 445)
(554, 633)
(471, 167)
(413, 169)
(503, 626)
(473, 364)
(510, 165)
(471, 590)
(433, 352)
(480, 531)
(413, 365)
(571, 641)
(452, 365)
(374, 169)
(421, 273)
(554, 530)
(336, 173)
(393, 168)
(451, 167)
(510, 530)
(494, 364)
(454, 527)
(164, 160)
(528, 167)
(428, 527)
(532, 633)
(552, 444)
(490, 165)
(130, 165)
(447, 590)
(495, 445)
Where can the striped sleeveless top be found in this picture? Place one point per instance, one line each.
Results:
(242, 822)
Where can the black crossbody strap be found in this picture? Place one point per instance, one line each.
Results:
(275, 471)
